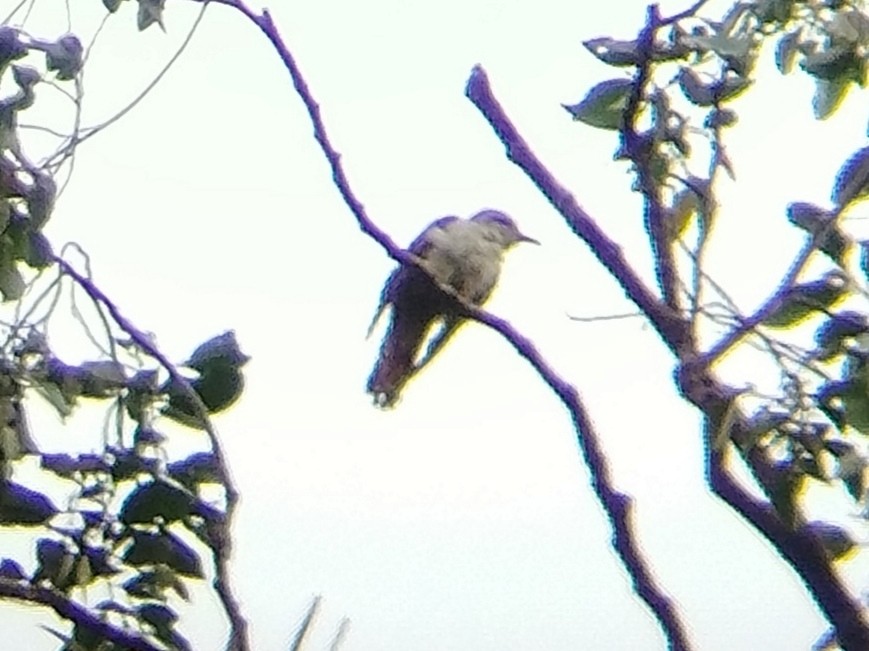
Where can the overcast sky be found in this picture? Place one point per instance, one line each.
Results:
(463, 519)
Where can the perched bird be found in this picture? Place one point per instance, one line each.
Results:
(462, 254)
(219, 383)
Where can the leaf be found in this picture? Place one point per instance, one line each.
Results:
(604, 105)
(694, 89)
(732, 88)
(830, 338)
(112, 5)
(55, 563)
(56, 398)
(855, 398)
(25, 76)
(150, 12)
(163, 548)
(101, 378)
(21, 506)
(40, 200)
(852, 179)
(804, 300)
(614, 52)
(786, 51)
(814, 219)
(11, 47)
(39, 254)
(154, 500)
(12, 284)
(851, 467)
(158, 615)
(11, 570)
(200, 468)
(68, 467)
(65, 56)
(838, 63)
(828, 97)
(222, 349)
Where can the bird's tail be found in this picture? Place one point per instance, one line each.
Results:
(395, 365)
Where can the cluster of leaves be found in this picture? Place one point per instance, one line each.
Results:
(27, 193)
(818, 428)
(150, 12)
(135, 543)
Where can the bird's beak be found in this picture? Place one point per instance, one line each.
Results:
(525, 238)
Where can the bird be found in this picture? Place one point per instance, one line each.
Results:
(464, 255)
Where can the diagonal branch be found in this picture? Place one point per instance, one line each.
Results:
(694, 379)
(221, 546)
(617, 505)
(74, 612)
(667, 323)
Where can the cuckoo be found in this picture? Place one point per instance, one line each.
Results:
(462, 254)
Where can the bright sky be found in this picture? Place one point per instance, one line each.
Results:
(463, 519)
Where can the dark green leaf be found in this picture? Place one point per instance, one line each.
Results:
(829, 95)
(158, 615)
(154, 500)
(40, 200)
(694, 89)
(852, 180)
(22, 506)
(12, 284)
(806, 299)
(614, 52)
(163, 548)
(55, 563)
(604, 105)
(200, 468)
(67, 466)
(838, 63)
(834, 333)
(814, 219)
(11, 570)
(150, 12)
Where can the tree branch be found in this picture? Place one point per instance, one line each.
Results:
(222, 545)
(616, 505)
(672, 328)
(74, 612)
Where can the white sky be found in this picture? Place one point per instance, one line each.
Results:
(463, 519)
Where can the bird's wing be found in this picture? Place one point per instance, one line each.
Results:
(420, 248)
(421, 245)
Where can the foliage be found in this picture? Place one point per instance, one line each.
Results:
(137, 525)
(689, 73)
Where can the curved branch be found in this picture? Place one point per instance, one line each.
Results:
(616, 505)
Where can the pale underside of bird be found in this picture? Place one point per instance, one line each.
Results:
(464, 255)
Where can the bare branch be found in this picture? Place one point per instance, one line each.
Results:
(617, 505)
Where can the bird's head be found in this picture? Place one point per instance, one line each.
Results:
(501, 228)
